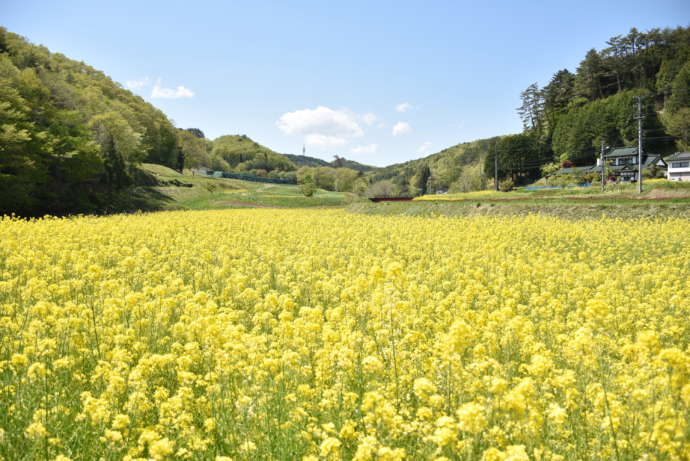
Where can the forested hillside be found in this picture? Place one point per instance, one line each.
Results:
(569, 118)
(240, 153)
(457, 168)
(69, 134)
(71, 139)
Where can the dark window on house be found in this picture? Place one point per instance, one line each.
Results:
(680, 164)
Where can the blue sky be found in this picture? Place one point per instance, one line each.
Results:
(377, 81)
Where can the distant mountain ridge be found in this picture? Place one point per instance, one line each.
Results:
(339, 162)
(237, 149)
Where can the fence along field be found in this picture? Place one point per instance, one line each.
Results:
(297, 334)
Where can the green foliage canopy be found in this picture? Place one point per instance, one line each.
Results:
(69, 135)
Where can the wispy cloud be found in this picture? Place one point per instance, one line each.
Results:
(401, 128)
(403, 107)
(178, 92)
(367, 149)
(135, 84)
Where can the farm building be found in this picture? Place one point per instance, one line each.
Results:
(621, 164)
(678, 167)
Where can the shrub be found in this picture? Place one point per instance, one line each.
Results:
(383, 188)
(308, 188)
(506, 185)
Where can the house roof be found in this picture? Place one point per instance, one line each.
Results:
(649, 161)
(678, 156)
(652, 160)
(574, 169)
(632, 151)
(622, 152)
(609, 168)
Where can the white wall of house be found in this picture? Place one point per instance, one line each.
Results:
(678, 170)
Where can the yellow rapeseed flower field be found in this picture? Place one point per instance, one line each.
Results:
(322, 335)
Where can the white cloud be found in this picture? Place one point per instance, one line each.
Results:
(171, 93)
(322, 126)
(401, 128)
(403, 107)
(322, 120)
(322, 140)
(369, 118)
(134, 84)
(424, 148)
(368, 149)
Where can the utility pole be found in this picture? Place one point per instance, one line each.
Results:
(639, 143)
(495, 168)
(602, 164)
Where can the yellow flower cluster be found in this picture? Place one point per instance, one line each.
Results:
(322, 335)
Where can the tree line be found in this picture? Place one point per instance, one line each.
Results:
(566, 120)
(69, 135)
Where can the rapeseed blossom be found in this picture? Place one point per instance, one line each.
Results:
(317, 334)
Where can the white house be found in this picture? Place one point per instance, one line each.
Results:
(678, 167)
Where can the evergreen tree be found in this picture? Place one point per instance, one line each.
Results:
(422, 178)
(532, 108)
(589, 77)
(196, 132)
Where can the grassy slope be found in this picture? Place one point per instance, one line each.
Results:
(660, 199)
(211, 193)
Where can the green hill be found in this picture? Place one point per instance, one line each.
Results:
(456, 168)
(243, 154)
(69, 133)
(304, 160)
(339, 162)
